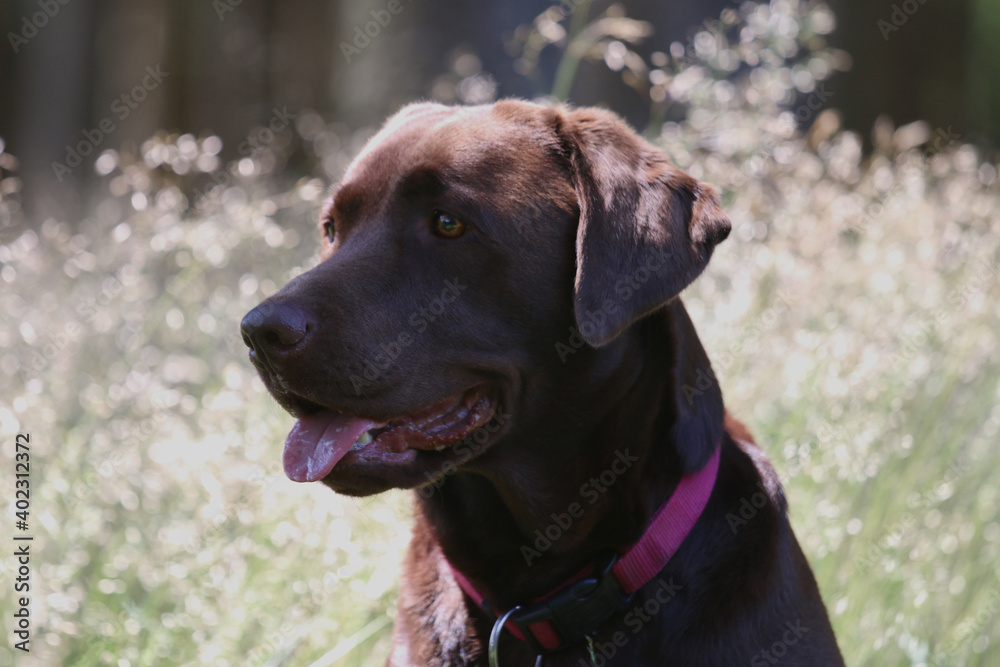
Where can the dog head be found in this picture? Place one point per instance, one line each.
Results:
(461, 247)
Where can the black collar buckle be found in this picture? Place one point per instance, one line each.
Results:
(576, 610)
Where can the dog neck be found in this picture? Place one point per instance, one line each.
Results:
(536, 507)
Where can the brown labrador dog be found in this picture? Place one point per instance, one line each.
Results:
(495, 323)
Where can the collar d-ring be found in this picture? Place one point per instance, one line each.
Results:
(494, 647)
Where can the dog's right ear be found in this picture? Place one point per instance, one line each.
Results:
(646, 228)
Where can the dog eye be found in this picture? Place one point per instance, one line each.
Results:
(447, 226)
(328, 230)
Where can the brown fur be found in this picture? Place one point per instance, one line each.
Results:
(581, 235)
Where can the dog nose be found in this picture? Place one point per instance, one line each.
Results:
(275, 331)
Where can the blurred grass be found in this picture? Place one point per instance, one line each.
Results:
(852, 318)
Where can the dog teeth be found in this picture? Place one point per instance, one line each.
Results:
(360, 443)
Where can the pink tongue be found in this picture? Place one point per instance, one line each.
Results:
(318, 441)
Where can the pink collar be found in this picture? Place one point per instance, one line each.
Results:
(569, 614)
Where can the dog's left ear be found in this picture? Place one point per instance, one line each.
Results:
(646, 228)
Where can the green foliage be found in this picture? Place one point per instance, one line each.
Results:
(852, 318)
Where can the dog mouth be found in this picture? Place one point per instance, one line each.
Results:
(320, 440)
